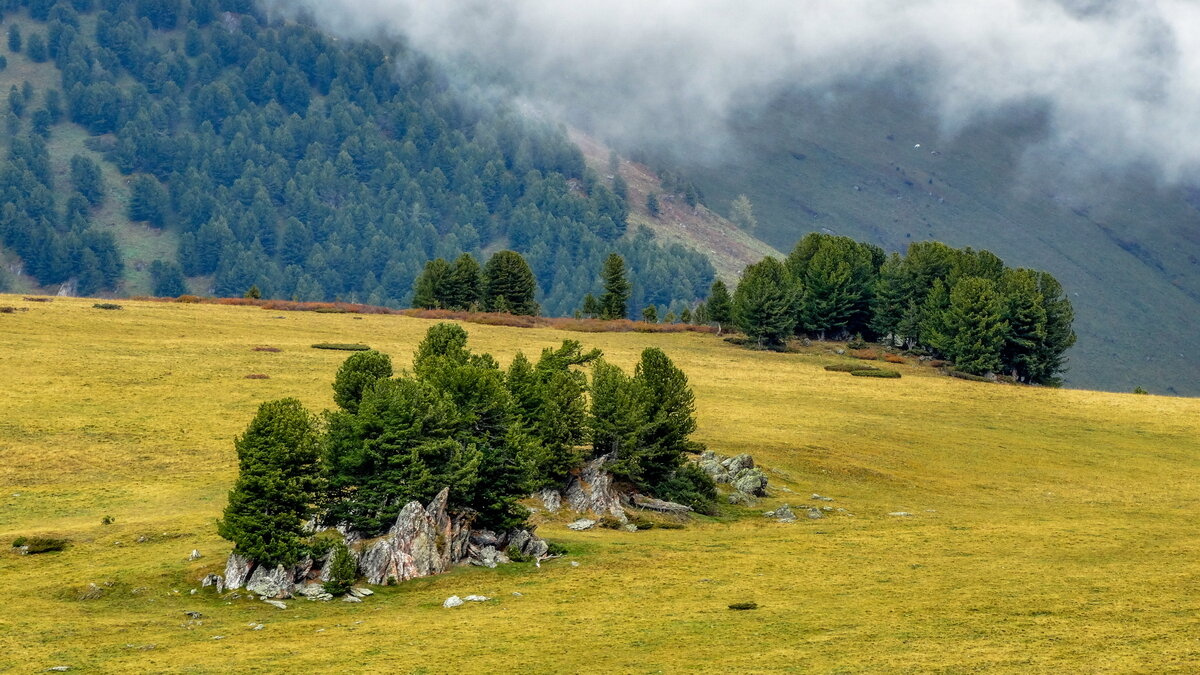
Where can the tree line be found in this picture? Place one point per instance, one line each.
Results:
(458, 420)
(962, 304)
(310, 167)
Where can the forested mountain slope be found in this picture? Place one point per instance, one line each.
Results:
(1126, 248)
(241, 152)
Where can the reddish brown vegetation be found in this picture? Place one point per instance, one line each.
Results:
(258, 376)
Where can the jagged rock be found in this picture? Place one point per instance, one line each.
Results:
(195, 555)
(551, 499)
(486, 556)
(735, 464)
(582, 524)
(901, 514)
(592, 492)
(528, 544)
(351, 598)
(483, 538)
(660, 505)
(783, 514)
(751, 481)
(741, 499)
(301, 570)
(477, 598)
(315, 592)
(452, 601)
(193, 615)
(815, 514)
(214, 580)
(238, 570)
(276, 603)
(271, 583)
(419, 544)
(821, 499)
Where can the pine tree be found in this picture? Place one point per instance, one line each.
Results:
(591, 307)
(276, 486)
(652, 205)
(431, 288)
(86, 176)
(1050, 356)
(358, 373)
(464, 288)
(1025, 314)
(741, 213)
(719, 304)
(975, 326)
(614, 303)
(764, 303)
(167, 279)
(650, 314)
(148, 201)
(663, 407)
(509, 285)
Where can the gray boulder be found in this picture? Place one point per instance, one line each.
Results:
(452, 601)
(582, 524)
(783, 514)
(419, 544)
(592, 492)
(271, 583)
(734, 465)
(277, 604)
(238, 570)
(660, 505)
(815, 514)
(214, 580)
(752, 481)
(477, 598)
(351, 598)
(551, 499)
(486, 556)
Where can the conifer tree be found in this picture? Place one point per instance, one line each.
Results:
(509, 285)
(614, 303)
(591, 307)
(356, 374)
(277, 480)
(974, 326)
(464, 289)
(430, 290)
(764, 303)
(650, 314)
(167, 279)
(719, 304)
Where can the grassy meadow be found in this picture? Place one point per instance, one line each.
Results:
(1050, 530)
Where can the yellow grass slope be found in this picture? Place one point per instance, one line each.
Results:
(1051, 531)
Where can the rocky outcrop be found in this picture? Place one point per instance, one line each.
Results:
(421, 543)
(271, 583)
(238, 570)
(739, 472)
(659, 505)
(592, 492)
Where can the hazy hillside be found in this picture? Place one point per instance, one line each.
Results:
(876, 168)
(1050, 530)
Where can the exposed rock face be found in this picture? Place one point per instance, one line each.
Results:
(271, 583)
(550, 499)
(739, 472)
(660, 505)
(214, 580)
(238, 570)
(750, 481)
(582, 524)
(592, 492)
(418, 545)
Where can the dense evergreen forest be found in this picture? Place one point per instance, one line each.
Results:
(311, 168)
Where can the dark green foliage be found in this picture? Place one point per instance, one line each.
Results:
(719, 304)
(515, 555)
(837, 275)
(556, 549)
(277, 479)
(764, 304)
(857, 342)
(876, 372)
(967, 376)
(358, 373)
(1140, 390)
(432, 287)
(148, 201)
(848, 367)
(311, 167)
(106, 305)
(14, 38)
(341, 346)
(343, 570)
(252, 293)
(688, 485)
(35, 49)
(652, 205)
(167, 279)
(591, 307)
(88, 180)
(509, 285)
(650, 314)
(464, 288)
(614, 303)
(972, 329)
(744, 605)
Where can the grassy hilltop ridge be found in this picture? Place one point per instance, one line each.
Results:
(1051, 530)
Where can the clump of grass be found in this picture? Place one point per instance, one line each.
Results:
(36, 545)
(876, 372)
(894, 358)
(555, 548)
(273, 350)
(744, 605)
(107, 305)
(668, 525)
(257, 376)
(848, 367)
(864, 354)
(331, 310)
(6, 309)
(107, 520)
(967, 376)
(29, 299)
(341, 346)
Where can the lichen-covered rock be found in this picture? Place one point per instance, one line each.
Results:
(215, 580)
(751, 481)
(735, 464)
(660, 505)
(271, 583)
(486, 556)
(551, 499)
(452, 601)
(238, 570)
(783, 514)
(582, 524)
(592, 492)
(417, 545)
(815, 514)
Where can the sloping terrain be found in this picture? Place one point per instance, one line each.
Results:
(1050, 530)
(877, 168)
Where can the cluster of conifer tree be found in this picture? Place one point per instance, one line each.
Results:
(457, 420)
(312, 168)
(963, 304)
(505, 284)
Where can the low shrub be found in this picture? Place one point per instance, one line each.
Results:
(1140, 390)
(331, 310)
(641, 523)
(857, 343)
(848, 367)
(744, 605)
(938, 363)
(35, 545)
(610, 522)
(267, 349)
(38, 299)
(876, 372)
(343, 570)
(19, 542)
(967, 376)
(894, 358)
(555, 548)
(258, 376)
(667, 525)
(514, 554)
(689, 485)
(107, 305)
(864, 354)
(345, 347)
(6, 309)
(190, 299)
(107, 520)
